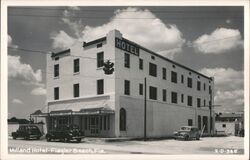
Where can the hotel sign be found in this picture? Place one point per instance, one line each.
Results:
(126, 46)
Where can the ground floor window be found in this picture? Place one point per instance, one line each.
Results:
(59, 121)
(190, 122)
(205, 123)
(122, 119)
(199, 122)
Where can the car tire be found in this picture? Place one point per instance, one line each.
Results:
(186, 137)
(48, 139)
(197, 137)
(78, 140)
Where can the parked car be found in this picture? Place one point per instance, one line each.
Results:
(187, 132)
(65, 133)
(27, 132)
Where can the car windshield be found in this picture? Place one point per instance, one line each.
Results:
(185, 128)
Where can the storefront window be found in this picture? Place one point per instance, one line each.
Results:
(122, 119)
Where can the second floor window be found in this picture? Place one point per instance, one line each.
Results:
(76, 65)
(56, 70)
(56, 93)
(198, 102)
(141, 64)
(174, 97)
(100, 59)
(182, 78)
(189, 82)
(76, 90)
(141, 89)
(152, 69)
(198, 85)
(189, 101)
(173, 77)
(164, 95)
(164, 73)
(100, 86)
(153, 93)
(126, 60)
(127, 87)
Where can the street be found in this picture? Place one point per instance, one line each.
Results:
(206, 145)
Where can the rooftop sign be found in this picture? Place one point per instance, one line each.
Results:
(126, 46)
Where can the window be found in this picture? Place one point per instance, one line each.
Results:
(198, 85)
(127, 87)
(56, 70)
(76, 65)
(100, 59)
(127, 60)
(174, 97)
(153, 93)
(122, 119)
(56, 58)
(141, 64)
(101, 122)
(152, 69)
(224, 125)
(100, 86)
(182, 98)
(56, 93)
(204, 103)
(99, 45)
(204, 86)
(173, 77)
(105, 122)
(199, 122)
(189, 84)
(190, 99)
(198, 102)
(164, 95)
(190, 122)
(210, 90)
(141, 89)
(164, 73)
(76, 90)
(182, 78)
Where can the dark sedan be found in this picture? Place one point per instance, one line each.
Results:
(27, 132)
(65, 133)
(187, 132)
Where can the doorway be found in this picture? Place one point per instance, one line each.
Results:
(94, 125)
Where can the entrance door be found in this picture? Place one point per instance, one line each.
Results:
(94, 125)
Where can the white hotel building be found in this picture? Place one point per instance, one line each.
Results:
(78, 91)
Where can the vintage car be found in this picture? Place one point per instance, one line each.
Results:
(27, 132)
(187, 132)
(65, 133)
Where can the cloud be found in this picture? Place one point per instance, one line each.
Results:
(38, 91)
(229, 88)
(10, 42)
(17, 101)
(138, 25)
(62, 40)
(17, 69)
(219, 41)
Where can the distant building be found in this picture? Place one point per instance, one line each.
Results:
(78, 91)
(229, 123)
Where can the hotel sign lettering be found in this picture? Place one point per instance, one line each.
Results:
(126, 46)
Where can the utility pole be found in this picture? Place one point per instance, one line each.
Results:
(145, 109)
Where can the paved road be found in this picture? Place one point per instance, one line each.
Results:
(208, 145)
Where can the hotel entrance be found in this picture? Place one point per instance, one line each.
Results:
(94, 125)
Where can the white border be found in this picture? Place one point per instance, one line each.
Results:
(4, 90)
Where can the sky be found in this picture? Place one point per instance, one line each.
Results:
(207, 39)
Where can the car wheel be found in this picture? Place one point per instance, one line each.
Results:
(197, 137)
(78, 140)
(48, 139)
(186, 137)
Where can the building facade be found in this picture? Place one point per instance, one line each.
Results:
(78, 91)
